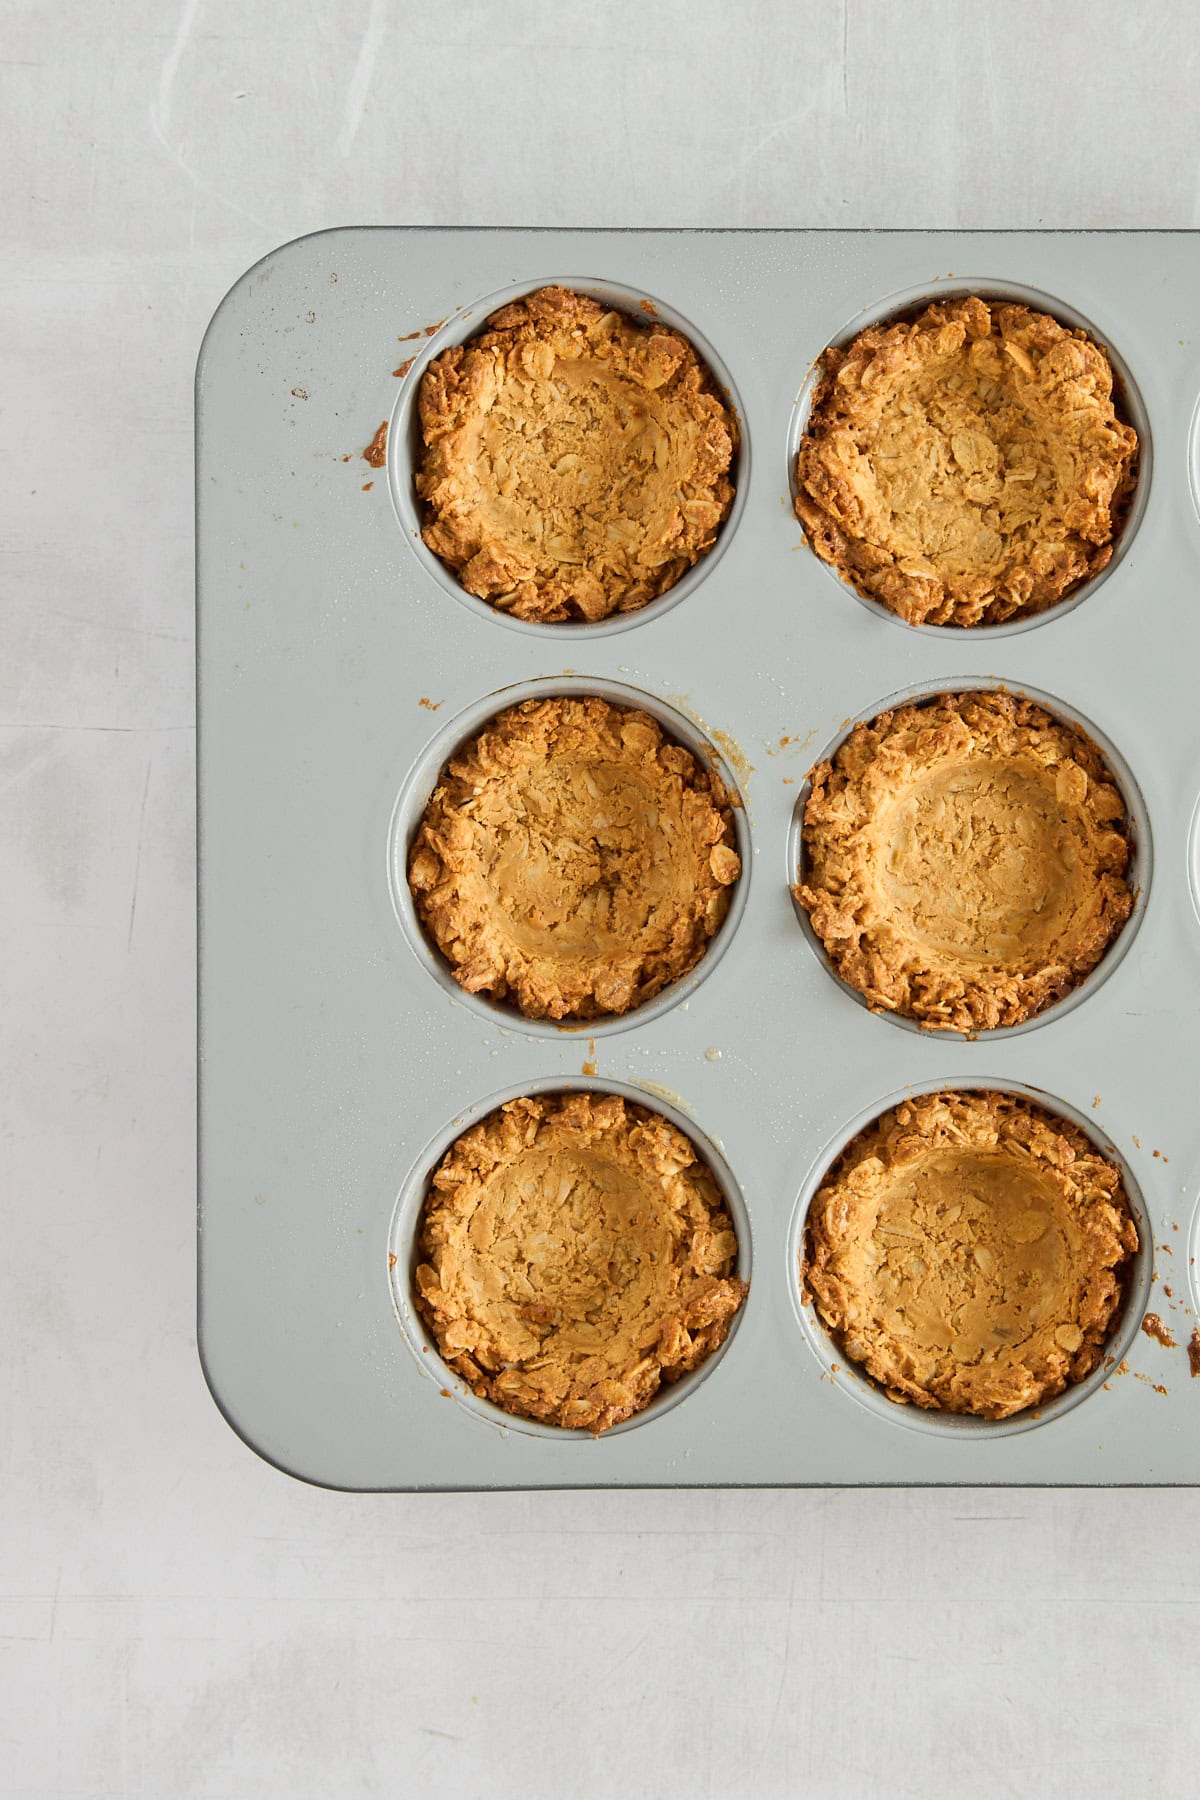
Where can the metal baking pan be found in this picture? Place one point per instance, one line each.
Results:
(339, 664)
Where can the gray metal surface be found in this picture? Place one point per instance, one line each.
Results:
(332, 1059)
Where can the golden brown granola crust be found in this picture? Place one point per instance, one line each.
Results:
(967, 465)
(971, 1252)
(965, 860)
(575, 463)
(573, 860)
(574, 1254)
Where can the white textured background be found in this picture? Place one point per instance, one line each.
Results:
(176, 1619)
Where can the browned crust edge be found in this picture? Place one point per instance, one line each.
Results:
(548, 596)
(432, 869)
(911, 990)
(691, 1331)
(872, 571)
(1019, 1117)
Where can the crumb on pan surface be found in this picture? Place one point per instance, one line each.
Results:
(575, 463)
(971, 1251)
(573, 861)
(966, 466)
(965, 860)
(574, 1253)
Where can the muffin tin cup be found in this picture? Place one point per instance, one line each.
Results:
(853, 1381)
(1130, 407)
(402, 1260)
(404, 450)
(1138, 875)
(338, 668)
(414, 796)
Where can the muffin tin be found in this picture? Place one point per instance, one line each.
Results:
(339, 664)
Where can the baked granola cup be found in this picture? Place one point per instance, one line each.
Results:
(989, 495)
(971, 859)
(570, 1260)
(571, 968)
(623, 570)
(972, 1258)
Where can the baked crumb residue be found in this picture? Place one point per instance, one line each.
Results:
(573, 861)
(576, 461)
(965, 860)
(1154, 1328)
(376, 451)
(971, 1252)
(574, 1254)
(967, 465)
(1193, 1351)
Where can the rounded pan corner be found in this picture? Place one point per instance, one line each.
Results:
(226, 1410)
(268, 256)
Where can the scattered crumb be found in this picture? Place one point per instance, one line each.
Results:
(1137, 1143)
(367, 486)
(1096, 1102)
(346, 458)
(300, 393)
(1156, 1152)
(1107, 1386)
(648, 306)
(430, 705)
(1169, 1292)
(1167, 1249)
(1158, 1388)
(436, 326)
(391, 1259)
(376, 451)
(712, 1054)
(445, 1393)
(405, 366)
(1153, 1327)
(1123, 1366)
(1193, 1351)
(792, 741)
(835, 1368)
(408, 336)
(789, 781)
